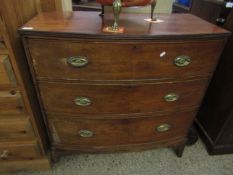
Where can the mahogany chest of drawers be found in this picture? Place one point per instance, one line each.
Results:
(102, 92)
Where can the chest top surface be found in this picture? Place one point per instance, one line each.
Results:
(90, 25)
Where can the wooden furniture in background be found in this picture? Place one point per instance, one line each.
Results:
(215, 119)
(208, 10)
(23, 141)
(103, 92)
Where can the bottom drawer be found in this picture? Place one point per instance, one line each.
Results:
(69, 131)
(23, 151)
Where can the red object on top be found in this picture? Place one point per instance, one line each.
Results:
(126, 3)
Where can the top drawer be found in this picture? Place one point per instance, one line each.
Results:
(85, 60)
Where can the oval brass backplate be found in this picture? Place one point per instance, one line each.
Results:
(85, 133)
(82, 101)
(163, 128)
(77, 61)
(171, 97)
(182, 61)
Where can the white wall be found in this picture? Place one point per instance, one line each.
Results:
(66, 5)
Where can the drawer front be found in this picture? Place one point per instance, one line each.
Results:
(15, 152)
(11, 103)
(7, 76)
(15, 129)
(104, 132)
(121, 99)
(57, 59)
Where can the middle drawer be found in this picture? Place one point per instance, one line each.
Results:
(16, 128)
(121, 99)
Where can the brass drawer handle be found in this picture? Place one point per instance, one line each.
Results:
(4, 155)
(182, 61)
(77, 61)
(163, 128)
(85, 133)
(82, 101)
(171, 97)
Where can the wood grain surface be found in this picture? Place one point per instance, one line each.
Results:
(90, 24)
